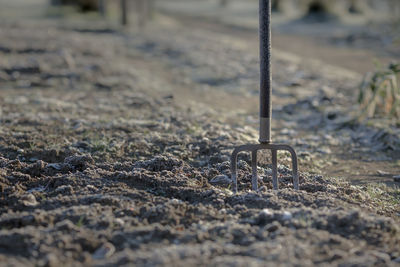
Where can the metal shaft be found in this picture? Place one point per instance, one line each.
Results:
(124, 12)
(265, 71)
(102, 7)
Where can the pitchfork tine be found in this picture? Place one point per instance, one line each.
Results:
(275, 169)
(254, 179)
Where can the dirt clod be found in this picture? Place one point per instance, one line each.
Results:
(79, 163)
(221, 180)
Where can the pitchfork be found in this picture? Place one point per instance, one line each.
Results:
(265, 111)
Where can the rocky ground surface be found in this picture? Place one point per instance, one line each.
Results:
(114, 150)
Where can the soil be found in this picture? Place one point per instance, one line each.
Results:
(115, 146)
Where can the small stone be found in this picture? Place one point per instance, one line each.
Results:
(324, 150)
(66, 225)
(263, 217)
(286, 216)
(266, 212)
(29, 200)
(103, 252)
(119, 222)
(262, 189)
(220, 180)
(65, 189)
(219, 201)
(397, 260)
(175, 201)
(396, 178)
(382, 173)
(91, 187)
(272, 227)
(56, 166)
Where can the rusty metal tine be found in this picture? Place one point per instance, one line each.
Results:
(294, 170)
(294, 165)
(234, 156)
(234, 170)
(275, 169)
(254, 170)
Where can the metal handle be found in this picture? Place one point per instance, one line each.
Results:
(265, 71)
(124, 12)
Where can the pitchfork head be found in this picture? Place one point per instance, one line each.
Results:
(274, 151)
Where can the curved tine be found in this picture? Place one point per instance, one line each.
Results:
(254, 177)
(234, 156)
(294, 165)
(275, 169)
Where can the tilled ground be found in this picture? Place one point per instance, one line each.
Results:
(102, 164)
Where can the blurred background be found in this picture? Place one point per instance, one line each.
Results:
(304, 27)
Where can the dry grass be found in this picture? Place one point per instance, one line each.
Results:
(379, 93)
